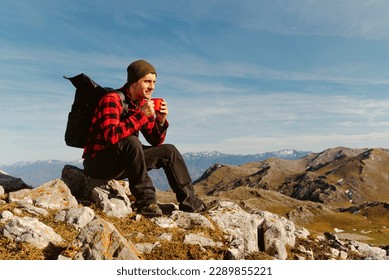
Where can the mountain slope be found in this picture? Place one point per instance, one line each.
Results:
(337, 188)
(338, 175)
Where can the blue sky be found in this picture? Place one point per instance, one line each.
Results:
(240, 77)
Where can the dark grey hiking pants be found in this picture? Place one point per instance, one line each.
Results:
(130, 159)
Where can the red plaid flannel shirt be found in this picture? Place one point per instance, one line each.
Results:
(108, 128)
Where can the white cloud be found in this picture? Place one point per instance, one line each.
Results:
(278, 120)
(349, 18)
(356, 18)
(185, 69)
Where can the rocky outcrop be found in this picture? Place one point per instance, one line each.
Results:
(100, 240)
(29, 230)
(54, 195)
(335, 176)
(9, 183)
(228, 229)
(112, 196)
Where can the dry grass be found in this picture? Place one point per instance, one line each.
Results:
(175, 249)
(128, 227)
(10, 250)
(373, 232)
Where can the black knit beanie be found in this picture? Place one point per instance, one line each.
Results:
(138, 69)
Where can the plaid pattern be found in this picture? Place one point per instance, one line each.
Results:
(108, 128)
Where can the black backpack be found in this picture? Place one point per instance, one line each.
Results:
(87, 96)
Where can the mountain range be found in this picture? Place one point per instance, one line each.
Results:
(36, 173)
(340, 189)
(337, 199)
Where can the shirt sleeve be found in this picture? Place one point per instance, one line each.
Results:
(115, 128)
(154, 133)
(112, 126)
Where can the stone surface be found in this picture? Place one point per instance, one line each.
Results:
(111, 196)
(32, 231)
(76, 217)
(9, 183)
(100, 240)
(54, 195)
(241, 228)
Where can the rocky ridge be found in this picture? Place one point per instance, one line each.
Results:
(80, 218)
(338, 188)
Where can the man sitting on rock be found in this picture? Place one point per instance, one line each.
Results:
(114, 151)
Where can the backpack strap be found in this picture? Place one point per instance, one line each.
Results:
(124, 102)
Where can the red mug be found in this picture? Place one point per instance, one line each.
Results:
(157, 103)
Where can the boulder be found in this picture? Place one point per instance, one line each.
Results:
(5, 216)
(240, 227)
(368, 252)
(32, 231)
(183, 220)
(100, 240)
(75, 179)
(31, 209)
(277, 233)
(9, 183)
(112, 199)
(76, 217)
(111, 196)
(54, 195)
(190, 220)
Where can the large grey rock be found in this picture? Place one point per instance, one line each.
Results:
(76, 217)
(112, 199)
(368, 252)
(254, 232)
(54, 195)
(277, 233)
(5, 216)
(32, 231)
(240, 227)
(183, 220)
(111, 196)
(76, 180)
(302, 233)
(9, 183)
(100, 240)
(190, 220)
(33, 210)
(146, 248)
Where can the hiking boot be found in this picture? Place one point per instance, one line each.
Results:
(207, 206)
(151, 210)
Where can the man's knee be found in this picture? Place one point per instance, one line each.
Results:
(130, 145)
(171, 151)
(170, 148)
